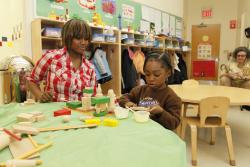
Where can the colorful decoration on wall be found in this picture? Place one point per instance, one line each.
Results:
(204, 51)
(109, 6)
(8, 40)
(128, 11)
(61, 1)
(89, 4)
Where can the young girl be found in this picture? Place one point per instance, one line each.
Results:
(164, 105)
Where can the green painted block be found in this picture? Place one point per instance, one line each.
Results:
(101, 114)
(100, 100)
(88, 91)
(74, 104)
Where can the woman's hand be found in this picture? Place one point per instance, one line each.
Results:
(45, 97)
(235, 76)
(130, 104)
(156, 110)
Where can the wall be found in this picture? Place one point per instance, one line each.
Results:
(244, 21)
(174, 7)
(11, 15)
(223, 12)
(24, 11)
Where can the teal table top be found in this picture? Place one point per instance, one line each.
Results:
(130, 144)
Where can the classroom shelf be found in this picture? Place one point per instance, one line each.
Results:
(113, 49)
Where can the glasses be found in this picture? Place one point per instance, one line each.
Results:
(241, 55)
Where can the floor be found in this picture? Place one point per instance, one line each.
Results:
(217, 155)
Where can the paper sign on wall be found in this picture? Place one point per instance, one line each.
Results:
(204, 51)
(232, 24)
(128, 11)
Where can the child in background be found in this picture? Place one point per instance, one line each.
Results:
(164, 105)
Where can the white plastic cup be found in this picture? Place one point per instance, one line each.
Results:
(141, 116)
(121, 113)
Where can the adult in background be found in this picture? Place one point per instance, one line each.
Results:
(66, 71)
(237, 72)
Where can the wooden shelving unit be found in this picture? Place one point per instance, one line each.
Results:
(113, 49)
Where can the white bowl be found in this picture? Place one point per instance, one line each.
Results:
(141, 116)
(121, 113)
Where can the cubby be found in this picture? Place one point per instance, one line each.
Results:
(112, 43)
(40, 43)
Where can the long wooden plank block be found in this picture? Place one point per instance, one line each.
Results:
(66, 127)
(39, 148)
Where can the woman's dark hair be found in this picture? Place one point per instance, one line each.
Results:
(77, 29)
(241, 49)
(163, 58)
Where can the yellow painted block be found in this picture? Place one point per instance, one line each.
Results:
(110, 122)
(93, 121)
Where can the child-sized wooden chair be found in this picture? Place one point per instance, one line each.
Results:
(191, 109)
(212, 114)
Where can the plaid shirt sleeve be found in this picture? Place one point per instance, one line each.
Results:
(40, 70)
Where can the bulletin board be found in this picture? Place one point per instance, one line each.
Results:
(84, 9)
(109, 10)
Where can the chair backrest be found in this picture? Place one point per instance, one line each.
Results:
(214, 107)
(190, 82)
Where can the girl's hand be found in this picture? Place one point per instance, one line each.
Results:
(45, 97)
(130, 104)
(156, 110)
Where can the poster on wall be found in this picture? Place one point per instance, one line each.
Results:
(178, 27)
(165, 23)
(172, 26)
(128, 11)
(147, 13)
(144, 26)
(109, 6)
(204, 51)
(88, 4)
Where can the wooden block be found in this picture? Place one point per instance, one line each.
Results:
(25, 117)
(40, 118)
(62, 112)
(86, 102)
(29, 102)
(110, 122)
(81, 109)
(25, 129)
(25, 123)
(13, 135)
(100, 100)
(18, 148)
(94, 121)
(4, 141)
(74, 104)
(66, 118)
(85, 117)
(22, 163)
(36, 113)
(68, 127)
(35, 150)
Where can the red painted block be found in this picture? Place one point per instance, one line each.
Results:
(13, 135)
(62, 112)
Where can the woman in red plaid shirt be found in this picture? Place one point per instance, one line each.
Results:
(65, 71)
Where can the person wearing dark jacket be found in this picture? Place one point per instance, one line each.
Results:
(162, 103)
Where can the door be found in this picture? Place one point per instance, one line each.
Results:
(205, 51)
